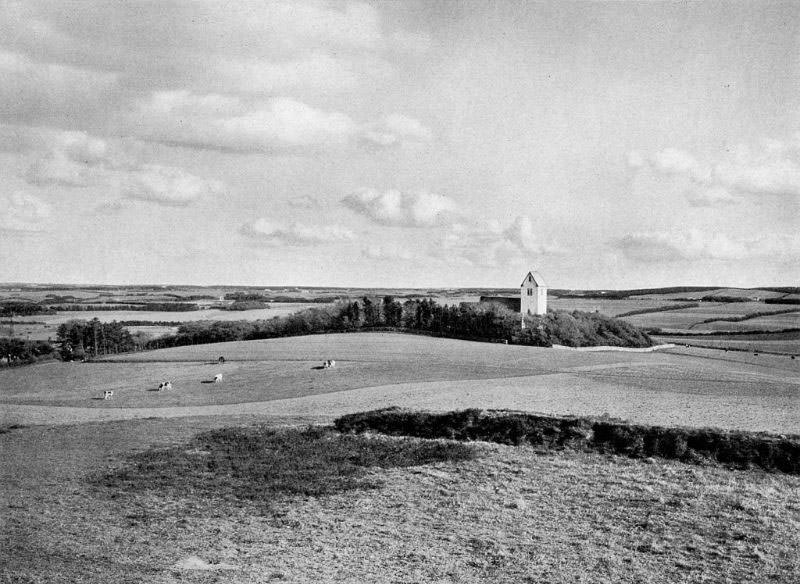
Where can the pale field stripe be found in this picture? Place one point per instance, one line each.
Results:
(560, 393)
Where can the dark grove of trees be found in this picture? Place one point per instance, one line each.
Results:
(80, 339)
(487, 322)
(23, 309)
(18, 352)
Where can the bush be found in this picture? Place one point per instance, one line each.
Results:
(261, 464)
(738, 449)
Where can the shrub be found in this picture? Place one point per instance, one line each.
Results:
(737, 449)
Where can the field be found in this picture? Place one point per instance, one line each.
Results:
(783, 343)
(46, 325)
(76, 504)
(691, 319)
(692, 387)
(127, 490)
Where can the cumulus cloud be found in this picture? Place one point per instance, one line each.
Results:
(694, 244)
(397, 129)
(494, 245)
(395, 208)
(386, 252)
(295, 234)
(74, 159)
(167, 185)
(771, 168)
(711, 197)
(229, 123)
(22, 212)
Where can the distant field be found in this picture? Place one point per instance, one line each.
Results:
(730, 292)
(689, 318)
(52, 321)
(607, 307)
(687, 387)
(777, 322)
(787, 343)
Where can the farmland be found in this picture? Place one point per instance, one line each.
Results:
(680, 387)
(81, 502)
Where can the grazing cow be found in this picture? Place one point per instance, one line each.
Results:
(221, 360)
(218, 378)
(107, 394)
(331, 363)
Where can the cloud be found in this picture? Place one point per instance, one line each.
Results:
(772, 168)
(493, 245)
(711, 197)
(21, 212)
(229, 123)
(397, 129)
(295, 234)
(38, 92)
(387, 252)
(394, 208)
(693, 244)
(167, 185)
(74, 159)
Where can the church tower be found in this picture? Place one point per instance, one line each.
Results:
(533, 295)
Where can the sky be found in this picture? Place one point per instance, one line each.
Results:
(400, 144)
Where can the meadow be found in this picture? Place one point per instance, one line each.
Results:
(245, 481)
(155, 501)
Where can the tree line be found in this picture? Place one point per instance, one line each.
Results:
(476, 321)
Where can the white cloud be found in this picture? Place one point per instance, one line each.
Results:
(711, 197)
(396, 129)
(295, 234)
(672, 160)
(773, 168)
(387, 252)
(167, 185)
(23, 213)
(693, 244)
(492, 245)
(767, 175)
(74, 159)
(229, 123)
(394, 208)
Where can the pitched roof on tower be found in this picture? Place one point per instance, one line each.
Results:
(535, 277)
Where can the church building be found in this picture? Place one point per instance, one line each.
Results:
(532, 297)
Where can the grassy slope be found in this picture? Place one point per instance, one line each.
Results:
(511, 515)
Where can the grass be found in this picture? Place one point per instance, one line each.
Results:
(787, 343)
(262, 464)
(738, 449)
(506, 514)
(683, 387)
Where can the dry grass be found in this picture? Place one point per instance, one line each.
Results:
(783, 343)
(683, 387)
(691, 318)
(511, 515)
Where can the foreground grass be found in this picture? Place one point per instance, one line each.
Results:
(265, 465)
(293, 505)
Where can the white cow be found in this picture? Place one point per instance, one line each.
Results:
(218, 378)
(331, 363)
(107, 394)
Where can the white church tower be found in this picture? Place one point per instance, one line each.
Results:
(533, 295)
